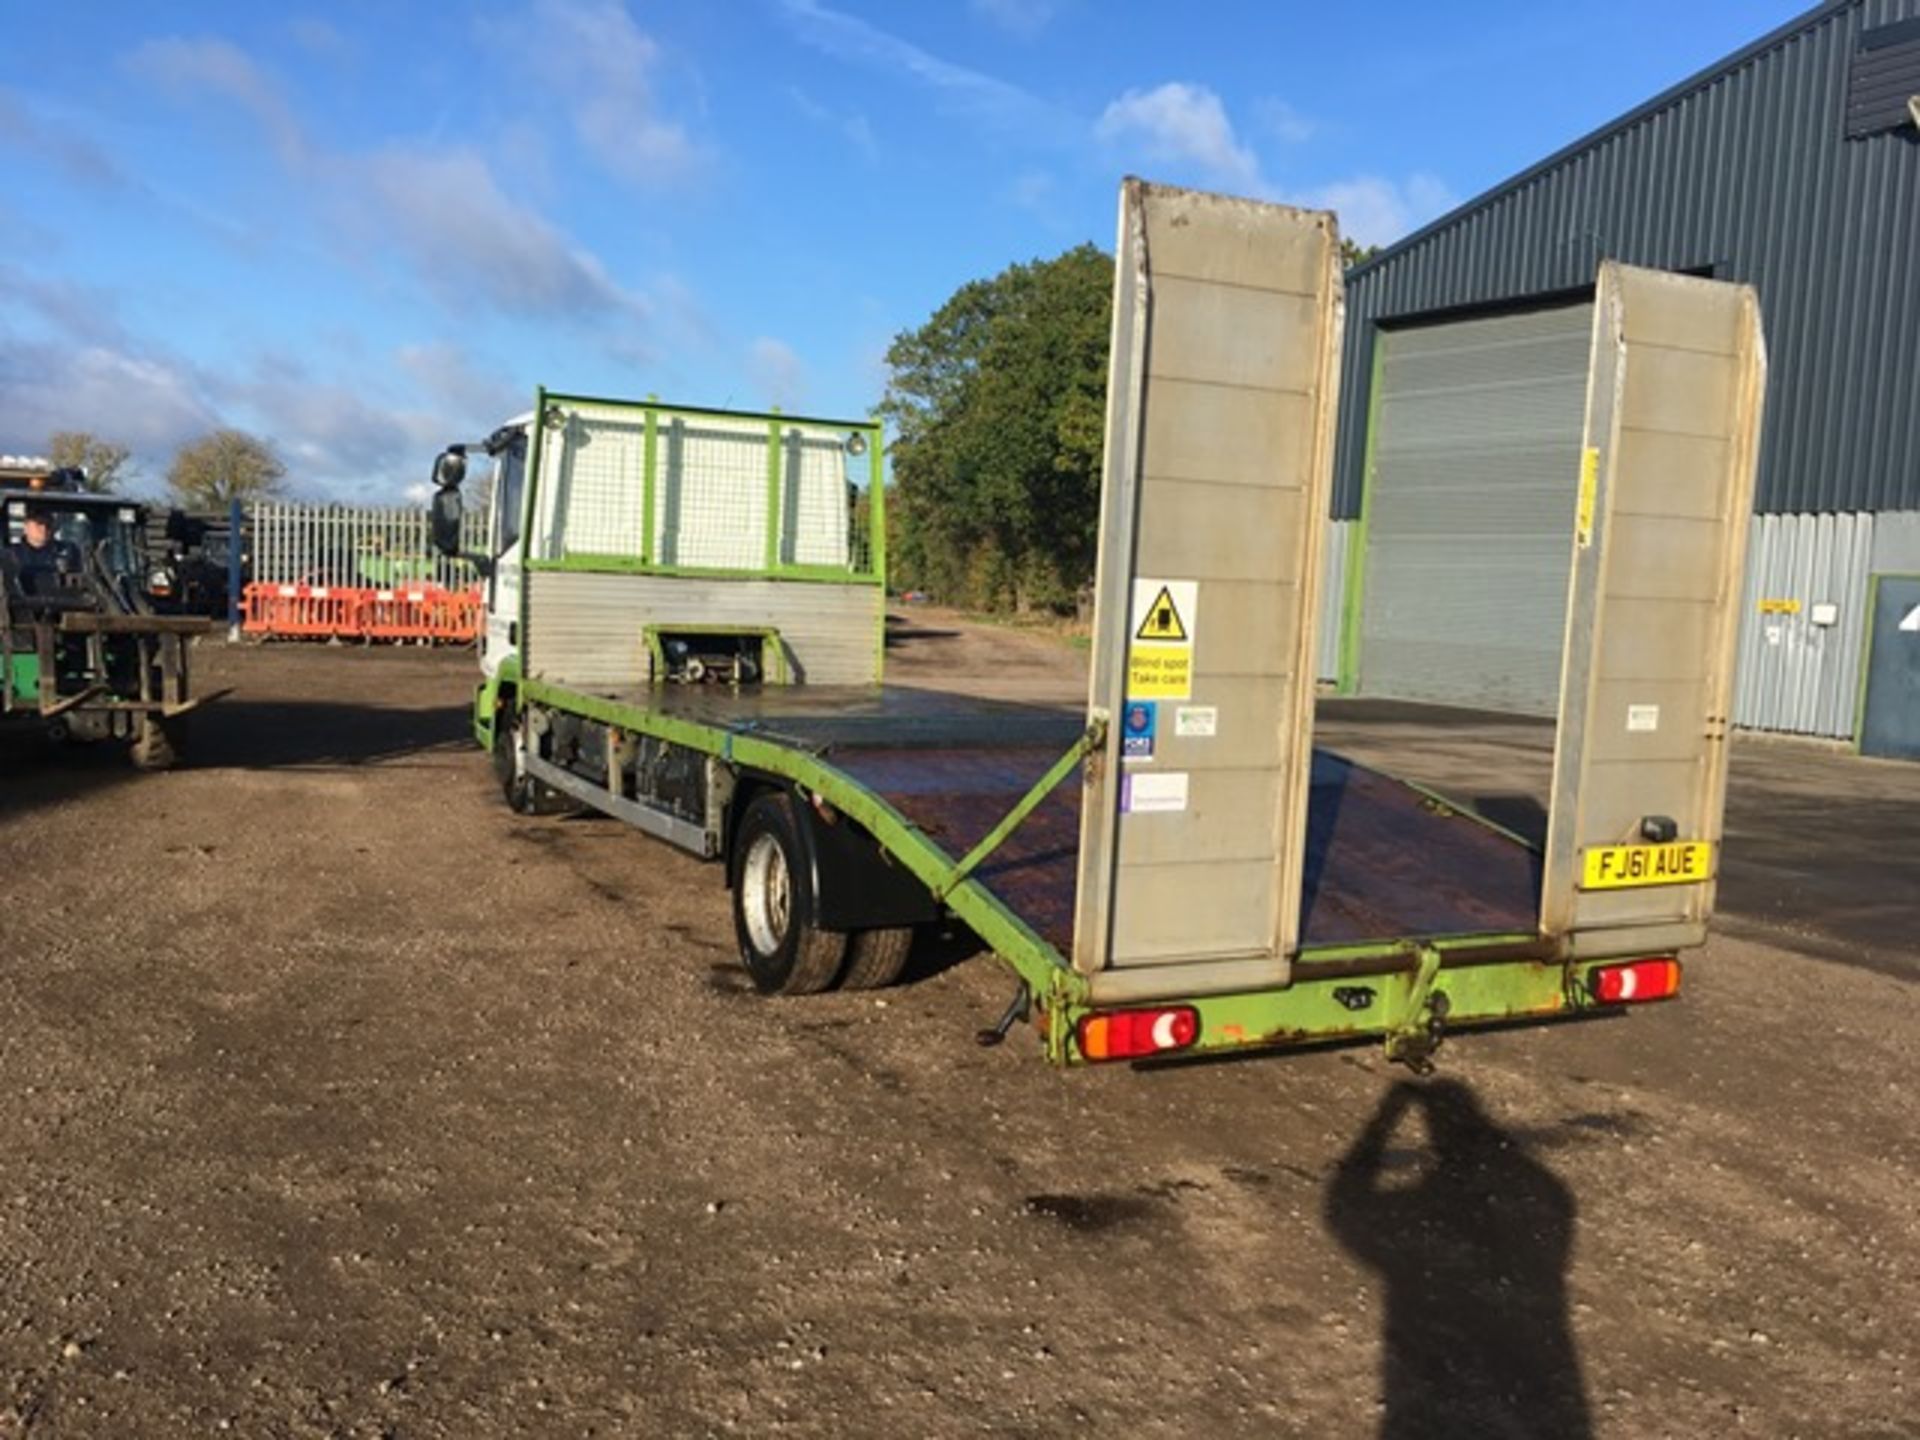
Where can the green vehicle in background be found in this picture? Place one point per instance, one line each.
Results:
(83, 654)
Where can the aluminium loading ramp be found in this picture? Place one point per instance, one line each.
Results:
(1385, 862)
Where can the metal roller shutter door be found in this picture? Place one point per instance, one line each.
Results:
(1471, 486)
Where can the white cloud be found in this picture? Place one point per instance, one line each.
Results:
(440, 208)
(1025, 18)
(1033, 190)
(473, 244)
(1280, 120)
(474, 400)
(605, 69)
(339, 437)
(852, 126)
(337, 443)
(1182, 124)
(776, 372)
(325, 431)
(319, 38)
(223, 70)
(1374, 210)
(149, 404)
(1187, 125)
(342, 441)
(66, 363)
(57, 141)
(847, 37)
(76, 313)
(1038, 193)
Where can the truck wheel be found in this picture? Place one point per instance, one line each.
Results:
(524, 794)
(158, 744)
(773, 906)
(875, 958)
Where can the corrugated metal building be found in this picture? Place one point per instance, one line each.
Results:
(1793, 165)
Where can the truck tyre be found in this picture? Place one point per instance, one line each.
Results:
(524, 794)
(158, 744)
(773, 905)
(875, 958)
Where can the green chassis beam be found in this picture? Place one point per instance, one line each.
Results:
(1036, 962)
(1397, 980)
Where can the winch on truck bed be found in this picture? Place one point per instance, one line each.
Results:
(686, 629)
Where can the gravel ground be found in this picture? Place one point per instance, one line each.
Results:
(336, 1100)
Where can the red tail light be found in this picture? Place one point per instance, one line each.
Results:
(1130, 1034)
(1635, 981)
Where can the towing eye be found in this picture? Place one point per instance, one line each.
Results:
(1414, 1040)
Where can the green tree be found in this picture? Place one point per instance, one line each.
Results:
(227, 465)
(1353, 253)
(998, 406)
(103, 462)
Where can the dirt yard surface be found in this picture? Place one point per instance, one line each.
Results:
(336, 1100)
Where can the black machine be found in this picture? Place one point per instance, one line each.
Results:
(84, 654)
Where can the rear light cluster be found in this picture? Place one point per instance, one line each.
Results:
(1637, 980)
(1132, 1034)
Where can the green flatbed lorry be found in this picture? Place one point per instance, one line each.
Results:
(686, 630)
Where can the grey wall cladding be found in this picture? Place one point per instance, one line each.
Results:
(1797, 675)
(1745, 172)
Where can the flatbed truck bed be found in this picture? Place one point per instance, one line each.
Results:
(1386, 861)
(1394, 872)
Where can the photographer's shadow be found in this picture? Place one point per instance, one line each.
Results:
(1471, 1235)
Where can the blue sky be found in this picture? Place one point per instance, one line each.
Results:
(363, 229)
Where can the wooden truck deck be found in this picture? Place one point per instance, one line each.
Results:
(1384, 861)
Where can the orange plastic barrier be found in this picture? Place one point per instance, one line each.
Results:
(394, 614)
(303, 612)
(345, 612)
(456, 616)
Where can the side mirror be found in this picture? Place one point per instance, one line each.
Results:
(450, 468)
(443, 518)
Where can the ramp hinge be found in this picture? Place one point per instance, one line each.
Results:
(1419, 1033)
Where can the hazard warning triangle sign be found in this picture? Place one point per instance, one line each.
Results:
(1162, 620)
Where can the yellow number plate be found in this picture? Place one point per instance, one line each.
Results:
(1622, 867)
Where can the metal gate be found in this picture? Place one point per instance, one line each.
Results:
(1890, 694)
(327, 572)
(1472, 468)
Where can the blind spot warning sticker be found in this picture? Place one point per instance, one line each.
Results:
(1162, 620)
(1164, 625)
